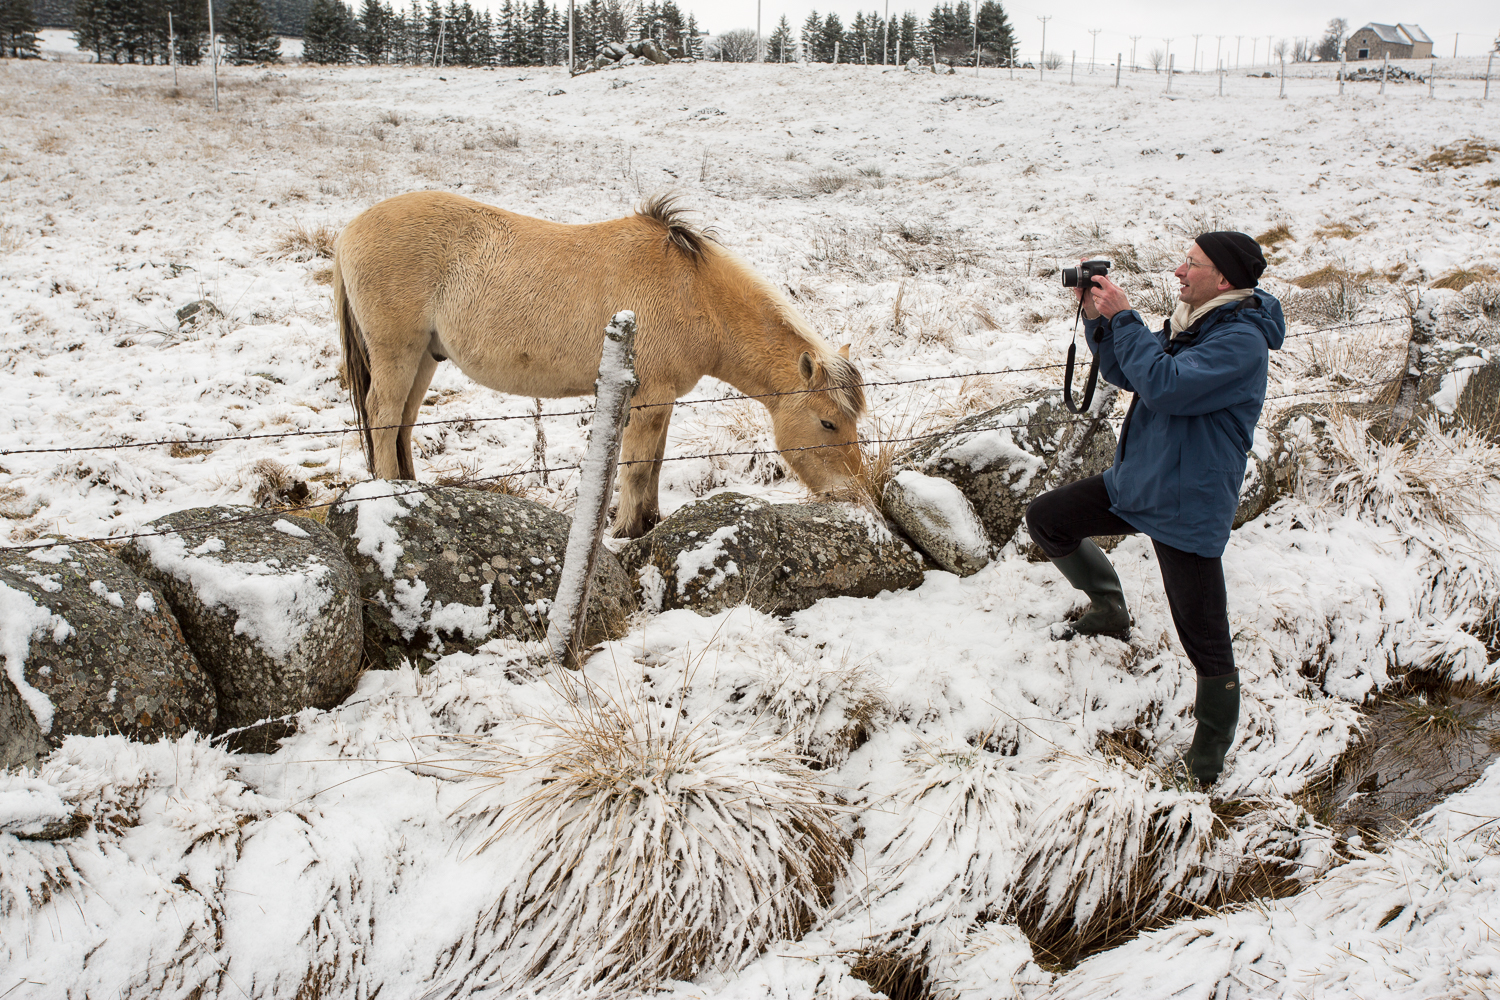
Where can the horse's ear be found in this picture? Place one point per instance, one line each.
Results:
(844, 352)
(805, 366)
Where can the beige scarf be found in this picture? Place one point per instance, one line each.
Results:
(1183, 317)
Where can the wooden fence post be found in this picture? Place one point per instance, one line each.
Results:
(612, 392)
(1423, 328)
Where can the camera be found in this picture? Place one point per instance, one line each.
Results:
(1084, 274)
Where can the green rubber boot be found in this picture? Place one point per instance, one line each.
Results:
(1217, 711)
(1088, 569)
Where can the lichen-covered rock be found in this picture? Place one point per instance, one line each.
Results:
(444, 569)
(91, 648)
(269, 606)
(936, 515)
(731, 549)
(1462, 387)
(1000, 458)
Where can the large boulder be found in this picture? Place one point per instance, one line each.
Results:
(1002, 458)
(1460, 385)
(269, 605)
(732, 549)
(936, 515)
(90, 648)
(445, 569)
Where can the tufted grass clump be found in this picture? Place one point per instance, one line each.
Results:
(662, 849)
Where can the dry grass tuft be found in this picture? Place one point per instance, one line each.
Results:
(1463, 153)
(469, 476)
(1462, 277)
(1275, 236)
(661, 848)
(1116, 851)
(828, 182)
(1436, 479)
(11, 237)
(1338, 231)
(1331, 294)
(302, 243)
(274, 485)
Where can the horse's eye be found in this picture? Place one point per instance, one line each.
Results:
(828, 426)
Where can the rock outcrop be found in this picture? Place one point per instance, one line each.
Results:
(936, 515)
(269, 605)
(91, 648)
(445, 569)
(1002, 458)
(732, 549)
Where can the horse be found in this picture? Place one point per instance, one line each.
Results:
(520, 305)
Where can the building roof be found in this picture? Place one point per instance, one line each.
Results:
(1399, 34)
(1415, 33)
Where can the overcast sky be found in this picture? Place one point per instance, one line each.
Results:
(1068, 29)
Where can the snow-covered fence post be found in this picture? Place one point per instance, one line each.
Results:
(1431, 78)
(1283, 76)
(612, 392)
(1385, 67)
(1487, 64)
(1343, 69)
(1118, 57)
(1423, 328)
(1171, 68)
(213, 48)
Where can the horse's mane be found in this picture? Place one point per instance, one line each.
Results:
(663, 210)
(835, 373)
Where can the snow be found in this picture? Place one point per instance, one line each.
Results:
(948, 727)
(703, 561)
(272, 604)
(946, 511)
(21, 621)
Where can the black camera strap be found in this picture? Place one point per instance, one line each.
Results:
(1093, 379)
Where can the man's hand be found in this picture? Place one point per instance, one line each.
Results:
(1105, 299)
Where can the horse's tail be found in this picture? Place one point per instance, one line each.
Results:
(356, 369)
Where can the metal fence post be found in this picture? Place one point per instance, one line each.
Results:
(612, 392)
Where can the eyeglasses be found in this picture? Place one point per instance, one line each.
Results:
(1191, 263)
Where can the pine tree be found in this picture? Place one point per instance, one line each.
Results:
(832, 40)
(995, 34)
(18, 30)
(329, 34)
(248, 34)
(812, 37)
(780, 47)
(693, 44)
(374, 38)
(908, 35)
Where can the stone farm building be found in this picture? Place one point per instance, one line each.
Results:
(1399, 41)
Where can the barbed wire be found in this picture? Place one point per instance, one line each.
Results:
(728, 397)
(478, 480)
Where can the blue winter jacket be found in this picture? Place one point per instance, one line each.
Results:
(1181, 456)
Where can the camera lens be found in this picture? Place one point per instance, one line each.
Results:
(1070, 277)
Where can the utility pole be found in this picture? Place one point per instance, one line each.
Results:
(1195, 53)
(213, 44)
(1133, 40)
(1093, 48)
(1219, 45)
(885, 43)
(1253, 43)
(1455, 45)
(1041, 66)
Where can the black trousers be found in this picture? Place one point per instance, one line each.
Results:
(1060, 519)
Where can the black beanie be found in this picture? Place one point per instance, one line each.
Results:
(1236, 255)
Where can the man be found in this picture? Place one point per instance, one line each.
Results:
(1199, 387)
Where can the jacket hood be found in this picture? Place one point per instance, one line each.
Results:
(1268, 318)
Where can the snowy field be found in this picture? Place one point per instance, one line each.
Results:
(981, 779)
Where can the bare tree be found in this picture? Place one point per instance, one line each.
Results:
(1054, 60)
(1302, 51)
(1333, 40)
(1281, 49)
(733, 46)
(1156, 57)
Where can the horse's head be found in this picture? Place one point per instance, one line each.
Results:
(816, 427)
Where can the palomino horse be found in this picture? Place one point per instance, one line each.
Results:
(520, 305)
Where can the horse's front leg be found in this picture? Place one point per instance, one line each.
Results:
(640, 470)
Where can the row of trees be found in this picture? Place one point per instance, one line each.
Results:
(518, 33)
(18, 28)
(949, 33)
